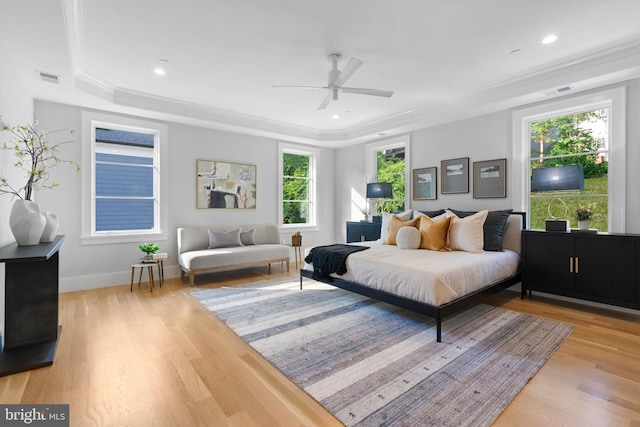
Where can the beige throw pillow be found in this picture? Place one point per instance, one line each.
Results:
(467, 234)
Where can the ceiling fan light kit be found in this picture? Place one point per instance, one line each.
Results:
(336, 79)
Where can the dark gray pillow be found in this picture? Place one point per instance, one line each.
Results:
(432, 214)
(224, 239)
(493, 227)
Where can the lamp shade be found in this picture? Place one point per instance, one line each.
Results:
(558, 178)
(379, 190)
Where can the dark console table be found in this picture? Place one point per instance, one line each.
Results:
(31, 306)
(602, 267)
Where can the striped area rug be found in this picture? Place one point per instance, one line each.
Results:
(372, 364)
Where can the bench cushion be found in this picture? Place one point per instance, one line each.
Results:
(221, 257)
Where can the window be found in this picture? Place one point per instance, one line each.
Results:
(588, 130)
(124, 181)
(298, 187)
(123, 187)
(390, 168)
(575, 143)
(388, 162)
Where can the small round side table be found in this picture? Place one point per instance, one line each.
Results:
(149, 266)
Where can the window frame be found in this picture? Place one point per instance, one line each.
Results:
(613, 99)
(312, 190)
(371, 166)
(93, 120)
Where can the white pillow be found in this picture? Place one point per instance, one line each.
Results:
(408, 238)
(224, 239)
(467, 234)
(386, 217)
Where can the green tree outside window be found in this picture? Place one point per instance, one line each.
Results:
(295, 188)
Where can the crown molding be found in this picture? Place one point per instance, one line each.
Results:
(615, 64)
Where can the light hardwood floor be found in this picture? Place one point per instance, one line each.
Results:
(161, 359)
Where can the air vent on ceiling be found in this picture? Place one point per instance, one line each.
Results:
(49, 77)
(563, 89)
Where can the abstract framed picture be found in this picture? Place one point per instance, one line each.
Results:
(490, 179)
(225, 185)
(424, 183)
(455, 175)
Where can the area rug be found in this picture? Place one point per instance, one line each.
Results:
(371, 364)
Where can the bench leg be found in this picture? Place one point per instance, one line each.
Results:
(192, 279)
(287, 265)
(133, 269)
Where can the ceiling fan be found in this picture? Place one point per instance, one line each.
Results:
(338, 78)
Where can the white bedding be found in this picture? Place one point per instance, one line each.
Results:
(427, 276)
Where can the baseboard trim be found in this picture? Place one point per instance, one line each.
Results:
(578, 301)
(105, 280)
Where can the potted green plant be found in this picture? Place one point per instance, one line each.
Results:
(35, 156)
(149, 249)
(584, 215)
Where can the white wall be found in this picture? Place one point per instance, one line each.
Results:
(16, 107)
(480, 138)
(90, 266)
(342, 180)
(351, 185)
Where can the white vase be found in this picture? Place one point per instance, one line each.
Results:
(50, 227)
(26, 222)
(584, 225)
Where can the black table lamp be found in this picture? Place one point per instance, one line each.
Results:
(557, 178)
(379, 190)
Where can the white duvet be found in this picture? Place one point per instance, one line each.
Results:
(427, 276)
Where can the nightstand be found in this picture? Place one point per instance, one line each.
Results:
(363, 231)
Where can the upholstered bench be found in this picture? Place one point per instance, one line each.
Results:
(207, 249)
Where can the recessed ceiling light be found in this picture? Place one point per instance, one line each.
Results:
(549, 39)
(161, 67)
(335, 116)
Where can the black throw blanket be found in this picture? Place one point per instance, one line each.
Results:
(330, 259)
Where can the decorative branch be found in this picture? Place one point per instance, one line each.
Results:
(36, 156)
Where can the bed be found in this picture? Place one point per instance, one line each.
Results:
(426, 281)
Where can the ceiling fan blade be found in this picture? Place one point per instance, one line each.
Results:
(301, 87)
(325, 102)
(373, 92)
(347, 72)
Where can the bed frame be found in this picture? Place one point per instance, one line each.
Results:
(437, 312)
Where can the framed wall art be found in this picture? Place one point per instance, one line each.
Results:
(455, 175)
(490, 179)
(224, 185)
(425, 183)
